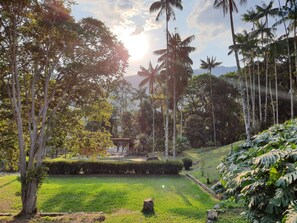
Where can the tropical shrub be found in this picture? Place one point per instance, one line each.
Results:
(187, 163)
(263, 174)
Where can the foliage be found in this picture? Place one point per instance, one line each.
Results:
(88, 167)
(199, 122)
(187, 163)
(182, 144)
(263, 173)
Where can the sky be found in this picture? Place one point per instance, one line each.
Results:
(136, 27)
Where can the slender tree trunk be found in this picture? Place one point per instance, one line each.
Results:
(272, 103)
(252, 84)
(153, 123)
(181, 121)
(212, 110)
(276, 91)
(266, 86)
(247, 90)
(259, 91)
(290, 66)
(242, 90)
(167, 92)
(295, 49)
(174, 119)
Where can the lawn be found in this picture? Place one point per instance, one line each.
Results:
(207, 160)
(176, 198)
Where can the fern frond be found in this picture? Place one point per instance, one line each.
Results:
(287, 179)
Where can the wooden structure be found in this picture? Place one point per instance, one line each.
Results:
(123, 142)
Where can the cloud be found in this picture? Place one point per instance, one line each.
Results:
(209, 22)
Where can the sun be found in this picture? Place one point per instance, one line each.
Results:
(137, 45)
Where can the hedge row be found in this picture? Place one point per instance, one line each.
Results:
(88, 167)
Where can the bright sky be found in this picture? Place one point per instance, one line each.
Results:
(132, 22)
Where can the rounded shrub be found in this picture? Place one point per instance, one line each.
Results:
(187, 163)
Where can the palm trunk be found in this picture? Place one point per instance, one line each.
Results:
(259, 91)
(153, 123)
(212, 111)
(242, 90)
(290, 66)
(272, 103)
(266, 86)
(252, 84)
(167, 91)
(247, 90)
(276, 91)
(174, 119)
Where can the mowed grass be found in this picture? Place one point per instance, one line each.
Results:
(176, 198)
(207, 161)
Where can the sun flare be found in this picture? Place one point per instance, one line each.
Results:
(137, 45)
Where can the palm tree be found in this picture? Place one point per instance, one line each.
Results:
(291, 15)
(139, 94)
(167, 7)
(263, 12)
(150, 77)
(209, 64)
(230, 6)
(178, 62)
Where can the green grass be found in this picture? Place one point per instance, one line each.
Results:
(121, 198)
(208, 159)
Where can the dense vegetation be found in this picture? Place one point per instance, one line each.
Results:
(263, 174)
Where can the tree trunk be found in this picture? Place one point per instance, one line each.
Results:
(174, 119)
(242, 90)
(259, 91)
(276, 91)
(266, 86)
(167, 91)
(212, 110)
(29, 198)
(153, 123)
(272, 103)
(252, 84)
(291, 92)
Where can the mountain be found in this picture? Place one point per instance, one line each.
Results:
(135, 79)
(218, 71)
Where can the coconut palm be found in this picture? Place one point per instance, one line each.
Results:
(210, 64)
(150, 77)
(167, 7)
(230, 6)
(178, 62)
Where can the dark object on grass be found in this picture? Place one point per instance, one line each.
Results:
(212, 216)
(148, 206)
(187, 163)
(152, 158)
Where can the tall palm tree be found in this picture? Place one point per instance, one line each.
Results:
(167, 7)
(210, 64)
(230, 6)
(291, 15)
(178, 62)
(264, 12)
(150, 75)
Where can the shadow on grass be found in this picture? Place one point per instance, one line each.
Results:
(149, 215)
(105, 201)
(8, 183)
(189, 212)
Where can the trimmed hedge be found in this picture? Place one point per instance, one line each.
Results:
(91, 167)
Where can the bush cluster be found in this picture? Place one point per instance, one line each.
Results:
(187, 163)
(92, 167)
